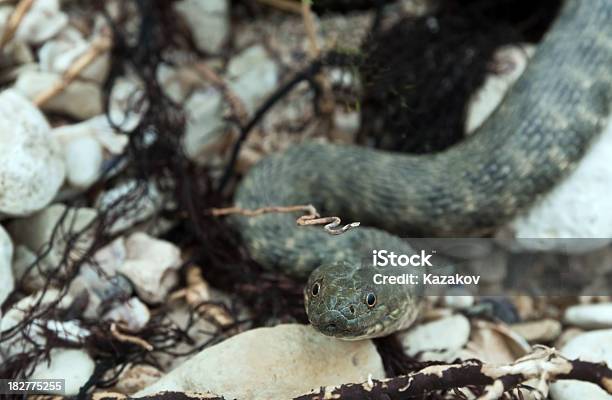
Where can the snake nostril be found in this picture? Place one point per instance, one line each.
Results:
(352, 309)
(330, 327)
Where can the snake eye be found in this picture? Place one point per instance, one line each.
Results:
(371, 300)
(316, 288)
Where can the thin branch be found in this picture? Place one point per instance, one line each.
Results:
(122, 337)
(312, 218)
(284, 5)
(545, 364)
(236, 104)
(14, 20)
(99, 46)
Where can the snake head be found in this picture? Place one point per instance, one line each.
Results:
(342, 301)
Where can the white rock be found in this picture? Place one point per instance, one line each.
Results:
(133, 314)
(69, 331)
(23, 259)
(151, 264)
(83, 162)
(75, 366)
(595, 346)
(59, 54)
(274, 363)
(126, 106)
(542, 331)
(36, 231)
(81, 99)
(589, 316)
(512, 60)
(252, 75)
(43, 20)
(427, 338)
(576, 208)
(146, 202)
(459, 302)
(178, 82)
(208, 20)
(17, 312)
(31, 165)
(7, 283)
(97, 128)
(205, 124)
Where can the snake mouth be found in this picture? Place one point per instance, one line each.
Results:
(331, 323)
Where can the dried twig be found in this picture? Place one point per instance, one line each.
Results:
(326, 102)
(14, 20)
(309, 26)
(545, 364)
(99, 46)
(236, 104)
(122, 337)
(284, 5)
(312, 218)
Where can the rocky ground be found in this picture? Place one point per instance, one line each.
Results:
(113, 273)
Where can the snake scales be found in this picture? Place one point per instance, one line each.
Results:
(538, 134)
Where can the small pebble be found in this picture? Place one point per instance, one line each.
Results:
(589, 316)
(151, 265)
(83, 161)
(542, 331)
(427, 338)
(209, 22)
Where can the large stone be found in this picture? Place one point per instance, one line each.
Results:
(274, 363)
(595, 346)
(7, 283)
(31, 165)
(208, 20)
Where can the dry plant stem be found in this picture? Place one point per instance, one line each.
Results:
(545, 364)
(122, 337)
(14, 20)
(236, 104)
(284, 5)
(312, 218)
(311, 33)
(99, 46)
(327, 99)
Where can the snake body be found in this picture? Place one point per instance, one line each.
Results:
(534, 138)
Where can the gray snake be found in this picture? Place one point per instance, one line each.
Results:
(533, 139)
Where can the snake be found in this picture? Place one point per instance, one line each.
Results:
(537, 135)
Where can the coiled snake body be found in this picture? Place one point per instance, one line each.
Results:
(538, 134)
